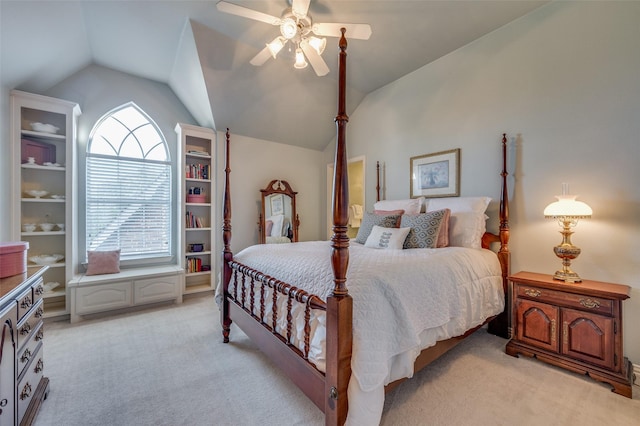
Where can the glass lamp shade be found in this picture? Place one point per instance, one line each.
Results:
(567, 207)
(318, 44)
(276, 46)
(300, 60)
(288, 28)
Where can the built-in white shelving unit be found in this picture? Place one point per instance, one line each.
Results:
(197, 204)
(44, 159)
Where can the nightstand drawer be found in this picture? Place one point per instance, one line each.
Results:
(578, 301)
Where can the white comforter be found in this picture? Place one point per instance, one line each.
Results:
(403, 301)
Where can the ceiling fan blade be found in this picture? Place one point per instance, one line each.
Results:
(300, 7)
(317, 63)
(261, 57)
(332, 29)
(245, 12)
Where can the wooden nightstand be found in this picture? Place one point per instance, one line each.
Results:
(574, 326)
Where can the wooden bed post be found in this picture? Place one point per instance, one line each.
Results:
(500, 325)
(227, 255)
(339, 303)
(377, 181)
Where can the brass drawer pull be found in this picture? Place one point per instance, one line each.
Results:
(26, 392)
(532, 292)
(26, 356)
(26, 302)
(39, 335)
(39, 290)
(39, 366)
(25, 329)
(39, 312)
(590, 303)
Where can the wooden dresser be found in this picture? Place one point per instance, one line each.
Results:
(575, 326)
(23, 386)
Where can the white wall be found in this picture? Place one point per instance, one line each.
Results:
(564, 83)
(256, 162)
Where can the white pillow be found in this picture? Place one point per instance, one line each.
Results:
(458, 204)
(410, 206)
(278, 220)
(387, 238)
(466, 229)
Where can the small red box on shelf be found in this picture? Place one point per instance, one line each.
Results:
(13, 258)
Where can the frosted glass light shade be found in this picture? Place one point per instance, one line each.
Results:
(567, 207)
(300, 60)
(318, 44)
(288, 28)
(276, 46)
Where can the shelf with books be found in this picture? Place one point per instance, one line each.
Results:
(198, 203)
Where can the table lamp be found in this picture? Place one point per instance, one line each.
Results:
(567, 210)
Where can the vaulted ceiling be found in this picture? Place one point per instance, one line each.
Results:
(203, 54)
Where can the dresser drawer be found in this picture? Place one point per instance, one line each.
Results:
(29, 383)
(28, 351)
(28, 324)
(29, 297)
(578, 301)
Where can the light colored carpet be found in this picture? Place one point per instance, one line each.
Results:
(168, 366)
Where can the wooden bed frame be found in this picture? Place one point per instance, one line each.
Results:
(328, 390)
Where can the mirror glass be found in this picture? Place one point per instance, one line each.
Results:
(279, 221)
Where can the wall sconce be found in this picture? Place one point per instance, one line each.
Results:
(567, 211)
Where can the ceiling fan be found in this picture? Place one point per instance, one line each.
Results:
(297, 27)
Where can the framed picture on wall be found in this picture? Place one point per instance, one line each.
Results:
(277, 204)
(435, 175)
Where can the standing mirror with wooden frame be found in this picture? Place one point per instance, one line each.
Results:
(279, 221)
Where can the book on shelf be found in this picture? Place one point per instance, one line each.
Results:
(194, 264)
(198, 171)
(193, 221)
(196, 152)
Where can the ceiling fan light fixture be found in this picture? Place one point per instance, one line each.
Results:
(300, 60)
(318, 44)
(288, 28)
(276, 46)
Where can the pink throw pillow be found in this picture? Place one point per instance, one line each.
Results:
(268, 225)
(103, 262)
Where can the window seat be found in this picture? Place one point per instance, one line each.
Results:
(130, 287)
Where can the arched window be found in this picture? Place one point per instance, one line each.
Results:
(128, 204)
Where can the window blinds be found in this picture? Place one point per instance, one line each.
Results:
(128, 206)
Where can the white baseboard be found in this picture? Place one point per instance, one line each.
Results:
(636, 371)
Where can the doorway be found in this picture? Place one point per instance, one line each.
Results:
(356, 173)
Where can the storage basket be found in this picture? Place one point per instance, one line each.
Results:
(196, 198)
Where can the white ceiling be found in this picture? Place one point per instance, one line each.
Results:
(204, 54)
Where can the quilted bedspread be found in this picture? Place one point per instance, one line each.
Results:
(397, 294)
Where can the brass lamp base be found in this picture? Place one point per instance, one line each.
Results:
(567, 252)
(567, 276)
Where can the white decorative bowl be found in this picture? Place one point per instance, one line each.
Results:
(37, 193)
(46, 259)
(60, 226)
(29, 227)
(46, 227)
(45, 128)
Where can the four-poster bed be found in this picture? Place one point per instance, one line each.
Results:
(309, 333)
